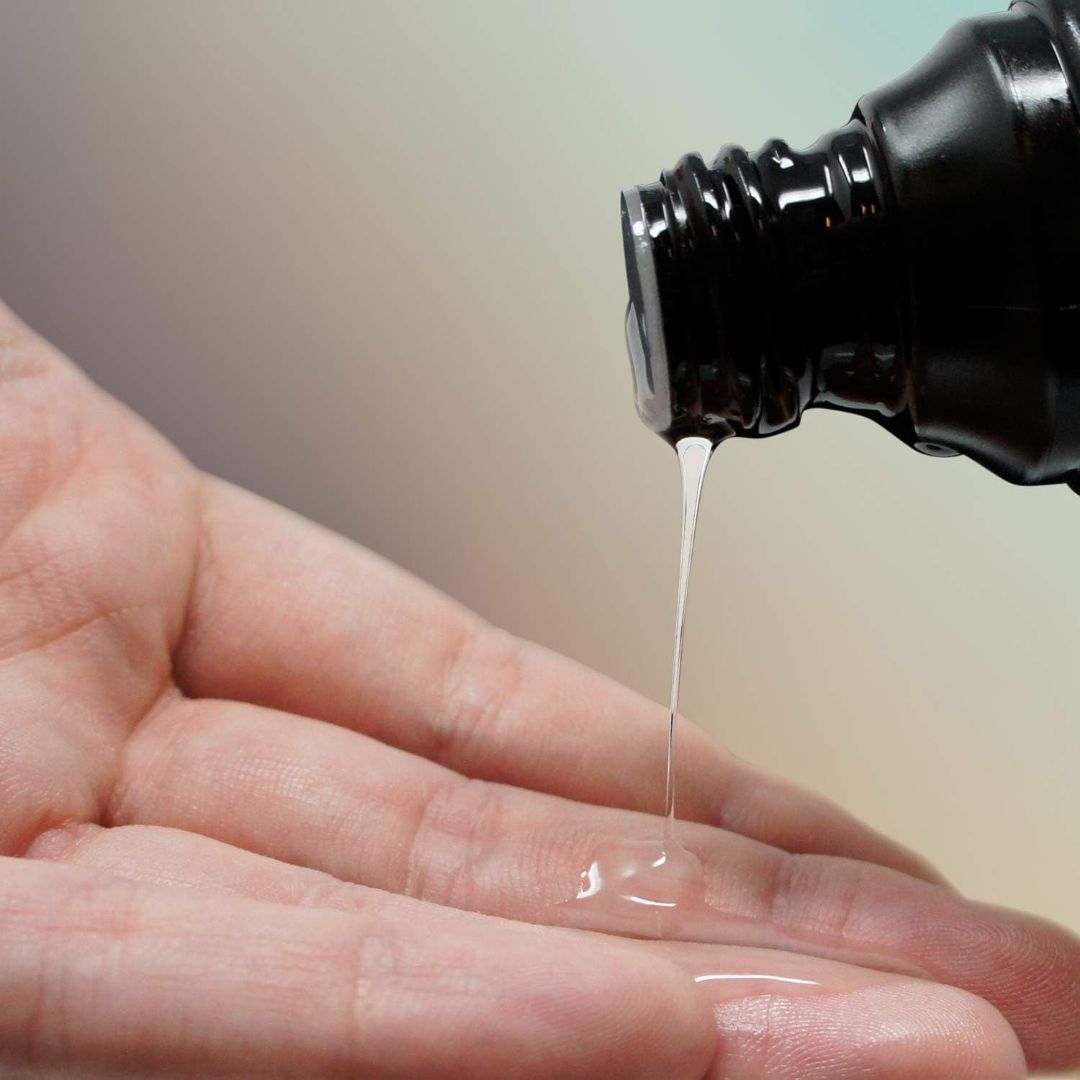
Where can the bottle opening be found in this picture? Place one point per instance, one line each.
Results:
(644, 320)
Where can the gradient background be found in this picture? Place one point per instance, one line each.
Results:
(365, 259)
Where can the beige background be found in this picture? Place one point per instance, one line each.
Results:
(364, 258)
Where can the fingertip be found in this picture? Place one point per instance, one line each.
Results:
(1029, 969)
(891, 1031)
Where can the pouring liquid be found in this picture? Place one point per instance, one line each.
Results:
(652, 886)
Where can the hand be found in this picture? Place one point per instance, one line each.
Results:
(268, 792)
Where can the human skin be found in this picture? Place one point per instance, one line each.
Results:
(270, 806)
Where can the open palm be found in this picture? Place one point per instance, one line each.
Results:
(261, 795)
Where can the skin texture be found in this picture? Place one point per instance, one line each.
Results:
(270, 805)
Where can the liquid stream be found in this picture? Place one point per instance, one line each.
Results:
(652, 886)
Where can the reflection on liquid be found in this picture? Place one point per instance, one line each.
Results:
(755, 978)
(640, 888)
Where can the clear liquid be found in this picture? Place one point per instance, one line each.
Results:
(652, 886)
(694, 458)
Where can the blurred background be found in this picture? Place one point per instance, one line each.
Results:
(365, 259)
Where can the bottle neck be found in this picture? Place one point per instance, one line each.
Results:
(776, 276)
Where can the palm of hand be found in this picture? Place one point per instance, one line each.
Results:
(260, 794)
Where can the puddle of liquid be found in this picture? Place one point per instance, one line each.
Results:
(648, 888)
(654, 887)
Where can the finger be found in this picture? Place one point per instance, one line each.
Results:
(99, 973)
(316, 795)
(96, 549)
(777, 1014)
(899, 1030)
(287, 615)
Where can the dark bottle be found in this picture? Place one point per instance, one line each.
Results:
(920, 266)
